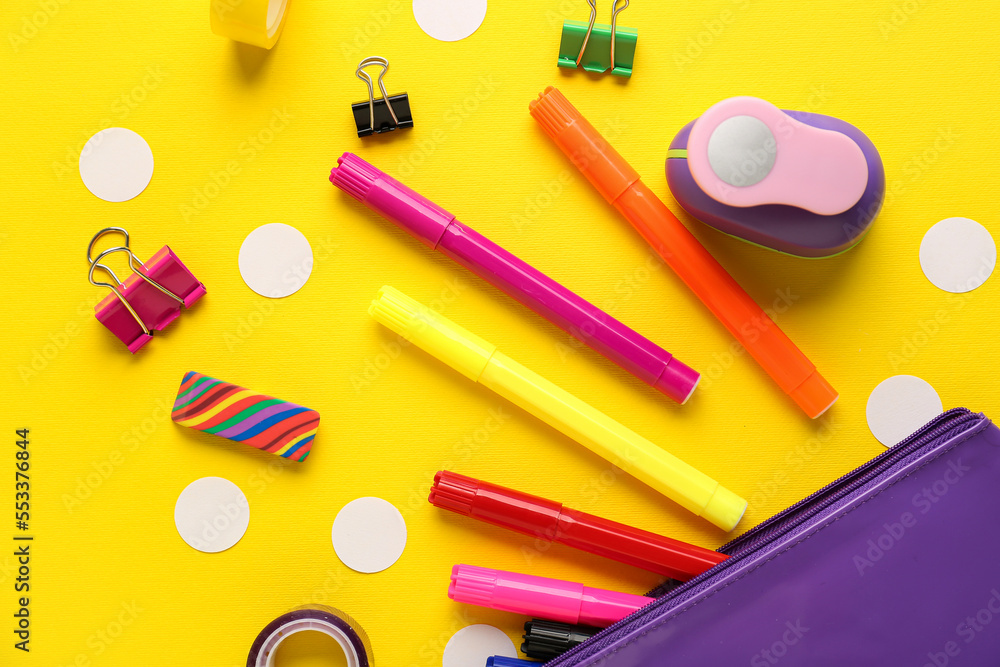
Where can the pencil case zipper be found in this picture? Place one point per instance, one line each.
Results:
(745, 548)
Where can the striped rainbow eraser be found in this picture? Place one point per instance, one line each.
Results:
(232, 412)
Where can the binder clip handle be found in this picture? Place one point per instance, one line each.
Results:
(616, 10)
(97, 237)
(590, 30)
(90, 252)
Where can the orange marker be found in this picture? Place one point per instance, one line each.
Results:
(619, 183)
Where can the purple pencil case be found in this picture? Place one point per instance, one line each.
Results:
(896, 563)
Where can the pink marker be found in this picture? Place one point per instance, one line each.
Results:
(551, 599)
(440, 230)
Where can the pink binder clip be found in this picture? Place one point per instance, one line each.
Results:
(149, 299)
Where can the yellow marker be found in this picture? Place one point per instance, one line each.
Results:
(480, 361)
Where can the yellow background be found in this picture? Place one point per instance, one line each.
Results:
(906, 73)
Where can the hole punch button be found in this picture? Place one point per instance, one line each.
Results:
(742, 151)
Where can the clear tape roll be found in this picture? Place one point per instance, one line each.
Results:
(257, 22)
(351, 637)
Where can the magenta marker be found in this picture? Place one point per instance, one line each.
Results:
(551, 599)
(581, 319)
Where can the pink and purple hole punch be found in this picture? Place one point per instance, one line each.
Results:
(800, 183)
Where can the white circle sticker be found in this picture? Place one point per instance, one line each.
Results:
(116, 164)
(472, 645)
(212, 514)
(275, 260)
(369, 535)
(899, 406)
(449, 20)
(958, 255)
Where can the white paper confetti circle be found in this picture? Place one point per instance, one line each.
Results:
(276, 260)
(212, 514)
(449, 20)
(369, 535)
(116, 164)
(958, 255)
(472, 645)
(899, 406)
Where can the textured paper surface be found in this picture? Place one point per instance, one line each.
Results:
(245, 137)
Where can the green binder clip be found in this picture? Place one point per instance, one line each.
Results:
(598, 48)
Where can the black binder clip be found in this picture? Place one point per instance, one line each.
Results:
(382, 115)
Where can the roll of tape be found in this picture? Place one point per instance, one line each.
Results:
(318, 618)
(257, 22)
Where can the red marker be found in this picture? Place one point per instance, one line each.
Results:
(551, 521)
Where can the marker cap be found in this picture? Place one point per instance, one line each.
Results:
(548, 520)
(678, 381)
(724, 508)
(538, 596)
(815, 396)
(603, 166)
(418, 215)
(520, 594)
(502, 661)
(546, 640)
(462, 350)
